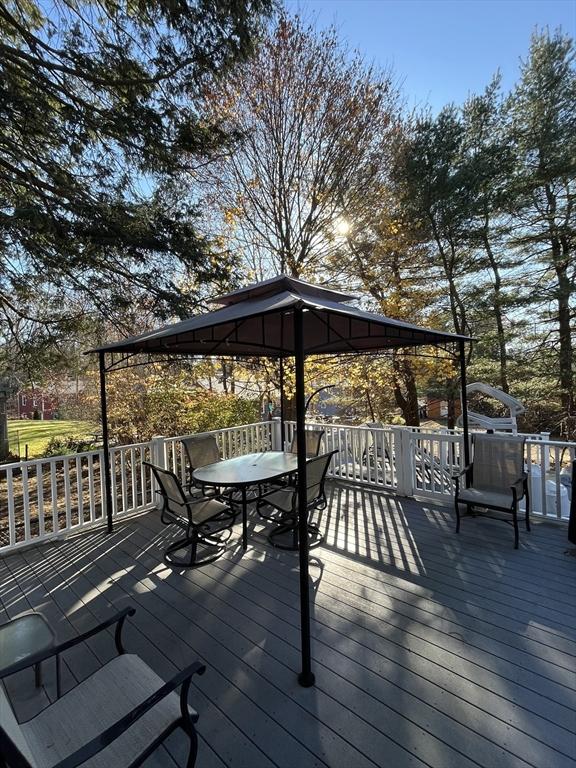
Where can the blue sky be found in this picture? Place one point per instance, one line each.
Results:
(441, 49)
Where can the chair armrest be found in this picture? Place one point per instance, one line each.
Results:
(518, 486)
(118, 619)
(105, 738)
(466, 469)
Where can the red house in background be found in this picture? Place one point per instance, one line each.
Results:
(30, 401)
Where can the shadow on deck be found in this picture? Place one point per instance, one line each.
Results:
(430, 649)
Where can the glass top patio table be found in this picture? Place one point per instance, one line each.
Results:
(244, 471)
(21, 639)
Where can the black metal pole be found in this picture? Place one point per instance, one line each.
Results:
(464, 400)
(282, 426)
(306, 676)
(107, 500)
(316, 391)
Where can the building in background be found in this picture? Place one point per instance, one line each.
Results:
(33, 403)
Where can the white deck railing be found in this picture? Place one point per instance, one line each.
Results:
(46, 498)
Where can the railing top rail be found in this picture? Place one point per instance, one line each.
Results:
(440, 436)
(48, 459)
(145, 444)
(552, 443)
(219, 431)
(358, 427)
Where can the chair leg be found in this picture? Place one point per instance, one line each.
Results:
(191, 541)
(191, 762)
(515, 519)
(527, 494)
(289, 531)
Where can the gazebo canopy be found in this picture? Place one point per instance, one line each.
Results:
(281, 317)
(259, 320)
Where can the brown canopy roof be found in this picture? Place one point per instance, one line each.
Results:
(258, 320)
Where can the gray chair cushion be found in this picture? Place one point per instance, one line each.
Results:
(486, 498)
(94, 705)
(282, 499)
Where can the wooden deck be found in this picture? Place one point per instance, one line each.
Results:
(430, 649)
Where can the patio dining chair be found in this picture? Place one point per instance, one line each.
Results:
(204, 519)
(201, 450)
(495, 479)
(313, 442)
(117, 717)
(285, 502)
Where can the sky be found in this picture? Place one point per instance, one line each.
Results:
(441, 50)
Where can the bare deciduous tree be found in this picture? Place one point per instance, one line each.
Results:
(316, 125)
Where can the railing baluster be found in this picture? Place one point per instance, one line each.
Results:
(114, 481)
(11, 509)
(123, 486)
(40, 497)
(143, 495)
(103, 480)
(91, 488)
(80, 488)
(134, 489)
(26, 502)
(54, 497)
(543, 480)
(67, 495)
(558, 485)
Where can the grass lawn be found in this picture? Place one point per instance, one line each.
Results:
(36, 434)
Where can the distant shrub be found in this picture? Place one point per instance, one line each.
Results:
(60, 445)
(36, 415)
(10, 458)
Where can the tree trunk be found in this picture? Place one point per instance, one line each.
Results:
(498, 313)
(566, 356)
(457, 308)
(561, 262)
(405, 392)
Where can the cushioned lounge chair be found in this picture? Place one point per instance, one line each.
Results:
(116, 718)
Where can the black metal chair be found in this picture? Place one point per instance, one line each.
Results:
(116, 717)
(495, 478)
(285, 502)
(202, 518)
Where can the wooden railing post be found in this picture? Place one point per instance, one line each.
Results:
(157, 457)
(404, 464)
(157, 451)
(546, 451)
(276, 433)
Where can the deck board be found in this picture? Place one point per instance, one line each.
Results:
(430, 649)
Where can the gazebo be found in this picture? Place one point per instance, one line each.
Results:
(280, 318)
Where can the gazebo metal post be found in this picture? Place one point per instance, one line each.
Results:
(107, 500)
(282, 425)
(306, 676)
(464, 401)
